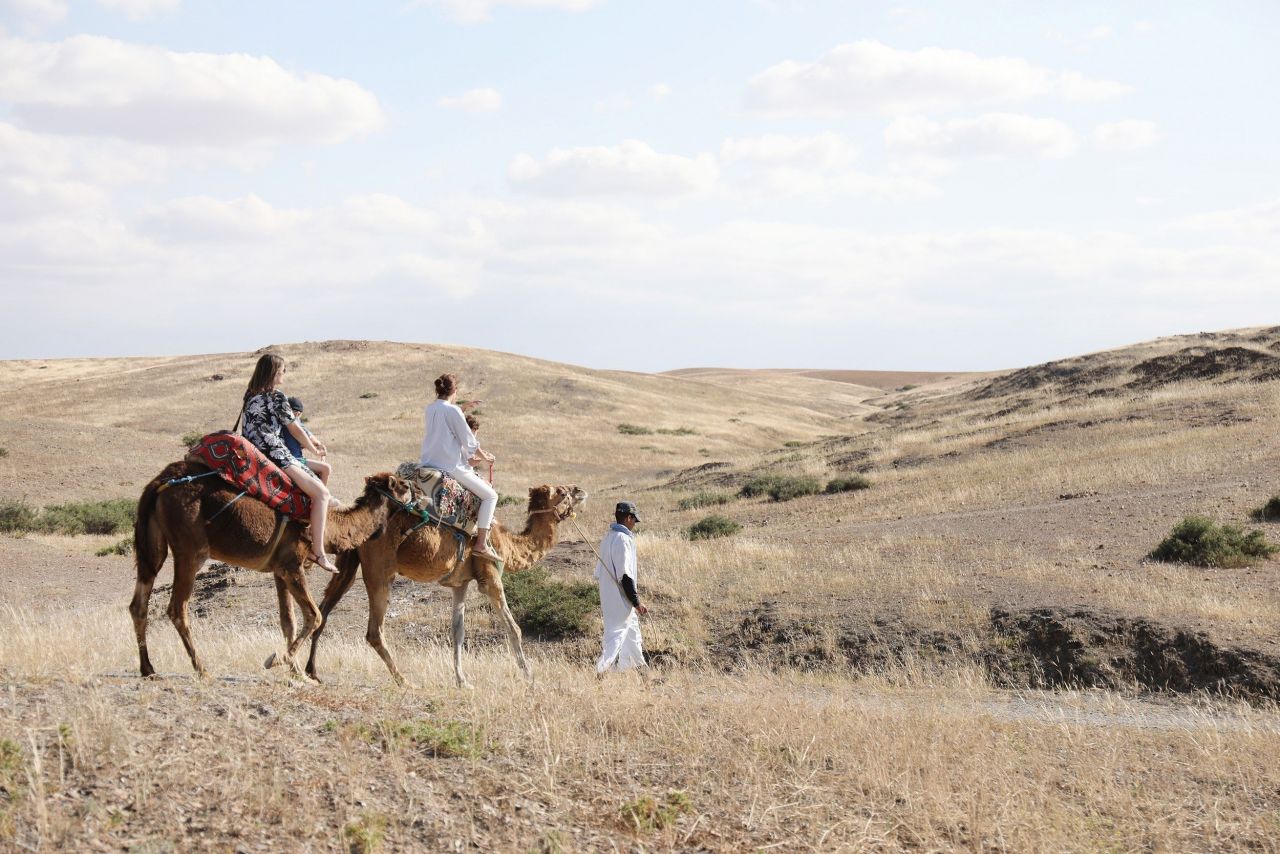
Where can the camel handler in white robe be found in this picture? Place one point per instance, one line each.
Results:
(619, 600)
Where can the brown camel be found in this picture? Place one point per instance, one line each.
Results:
(196, 521)
(431, 554)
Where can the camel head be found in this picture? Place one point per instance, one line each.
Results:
(387, 483)
(559, 501)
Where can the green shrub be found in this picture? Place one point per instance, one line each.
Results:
(1200, 541)
(85, 517)
(4, 452)
(369, 395)
(124, 547)
(647, 813)
(850, 483)
(189, 439)
(794, 443)
(504, 500)
(365, 834)
(1268, 512)
(677, 431)
(16, 517)
(713, 526)
(702, 499)
(437, 738)
(634, 430)
(550, 609)
(781, 487)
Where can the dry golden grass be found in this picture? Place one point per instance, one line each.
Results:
(920, 753)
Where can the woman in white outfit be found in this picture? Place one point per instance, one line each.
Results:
(449, 445)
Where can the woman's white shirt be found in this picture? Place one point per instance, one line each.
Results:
(448, 442)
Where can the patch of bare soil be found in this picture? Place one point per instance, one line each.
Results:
(1045, 647)
(1198, 363)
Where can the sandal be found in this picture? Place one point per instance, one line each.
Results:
(490, 555)
(322, 560)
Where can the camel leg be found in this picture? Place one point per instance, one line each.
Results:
(348, 563)
(491, 583)
(296, 583)
(285, 601)
(458, 631)
(379, 590)
(185, 568)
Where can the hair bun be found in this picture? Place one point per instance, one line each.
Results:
(446, 384)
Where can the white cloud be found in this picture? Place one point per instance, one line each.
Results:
(659, 91)
(138, 9)
(993, 135)
(103, 87)
(870, 77)
(821, 151)
(818, 165)
(630, 168)
(35, 15)
(1074, 86)
(1129, 135)
(482, 100)
(478, 11)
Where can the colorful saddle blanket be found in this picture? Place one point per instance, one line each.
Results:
(443, 498)
(246, 468)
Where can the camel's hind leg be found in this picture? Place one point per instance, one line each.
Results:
(348, 563)
(458, 631)
(185, 568)
(141, 602)
(287, 627)
(379, 589)
(491, 583)
(296, 583)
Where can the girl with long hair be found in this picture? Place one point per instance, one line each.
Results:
(266, 414)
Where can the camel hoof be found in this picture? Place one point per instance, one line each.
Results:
(465, 685)
(272, 660)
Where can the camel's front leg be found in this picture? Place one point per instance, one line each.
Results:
(296, 583)
(348, 563)
(379, 589)
(285, 601)
(491, 582)
(458, 631)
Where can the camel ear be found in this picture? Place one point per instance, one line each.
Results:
(543, 492)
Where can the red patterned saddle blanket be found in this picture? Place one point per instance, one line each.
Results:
(241, 464)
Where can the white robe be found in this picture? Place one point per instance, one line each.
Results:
(622, 644)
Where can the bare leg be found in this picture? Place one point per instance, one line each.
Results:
(322, 470)
(348, 563)
(319, 495)
(491, 584)
(458, 631)
(184, 582)
(379, 590)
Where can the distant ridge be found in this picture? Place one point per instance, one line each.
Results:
(883, 380)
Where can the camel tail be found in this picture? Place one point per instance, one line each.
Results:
(149, 546)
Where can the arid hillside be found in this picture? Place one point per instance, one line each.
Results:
(932, 622)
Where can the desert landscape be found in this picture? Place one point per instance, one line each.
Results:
(929, 622)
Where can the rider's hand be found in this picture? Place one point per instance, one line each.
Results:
(641, 610)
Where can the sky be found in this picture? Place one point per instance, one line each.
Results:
(638, 184)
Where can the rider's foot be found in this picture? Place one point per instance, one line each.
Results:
(322, 560)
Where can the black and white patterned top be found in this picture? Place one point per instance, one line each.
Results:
(265, 418)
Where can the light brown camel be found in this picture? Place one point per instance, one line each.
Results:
(194, 521)
(431, 554)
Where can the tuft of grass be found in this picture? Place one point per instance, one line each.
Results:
(504, 500)
(13, 785)
(1200, 541)
(634, 430)
(702, 499)
(849, 483)
(646, 813)
(369, 395)
(81, 517)
(677, 431)
(550, 609)
(1268, 512)
(443, 739)
(794, 443)
(781, 487)
(364, 835)
(713, 526)
(189, 439)
(17, 517)
(123, 547)
(4, 452)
